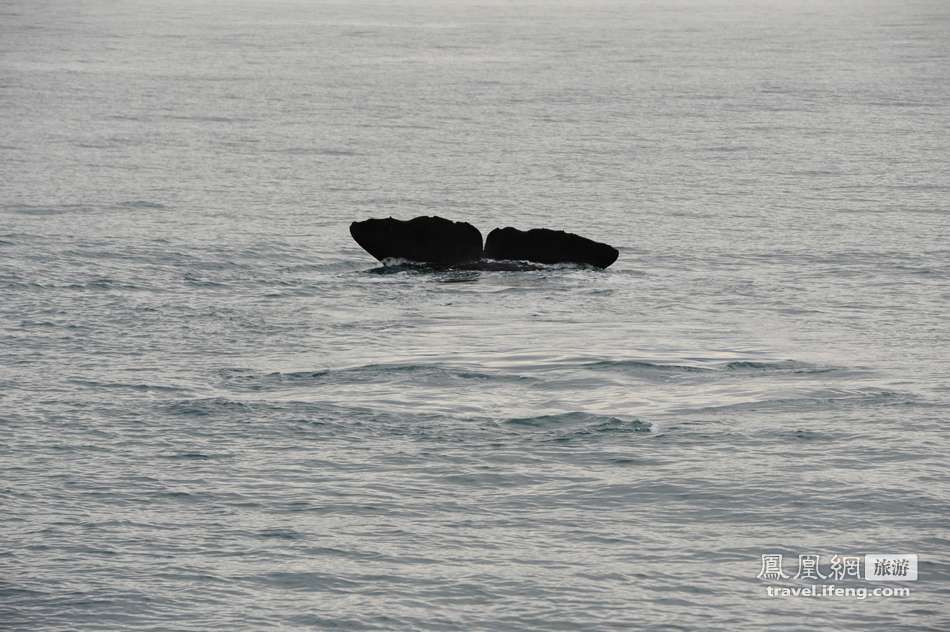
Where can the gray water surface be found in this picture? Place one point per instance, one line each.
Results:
(218, 412)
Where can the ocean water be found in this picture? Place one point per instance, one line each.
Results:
(218, 412)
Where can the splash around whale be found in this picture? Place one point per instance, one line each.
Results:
(440, 243)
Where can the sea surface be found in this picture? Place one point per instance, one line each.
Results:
(218, 412)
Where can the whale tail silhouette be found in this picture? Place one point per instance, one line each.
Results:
(433, 240)
(543, 245)
(442, 242)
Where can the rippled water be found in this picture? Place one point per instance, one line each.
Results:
(217, 411)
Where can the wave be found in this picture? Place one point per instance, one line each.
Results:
(103, 283)
(786, 366)
(189, 456)
(706, 367)
(394, 265)
(195, 281)
(643, 365)
(207, 118)
(248, 379)
(144, 204)
(821, 400)
(539, 374)
(46, 210)
(205, 407)
(316, 151)
(576, 425)
(310, 419)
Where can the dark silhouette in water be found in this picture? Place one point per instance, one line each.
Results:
(441, 243)
(433, 240)
(543, 245)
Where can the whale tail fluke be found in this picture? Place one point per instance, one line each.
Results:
(433, 240)
(442, 242)
(542, 245)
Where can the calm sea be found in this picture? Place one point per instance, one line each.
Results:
(218, 412)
